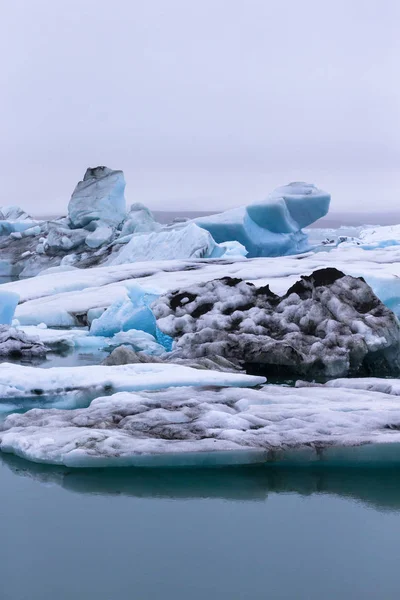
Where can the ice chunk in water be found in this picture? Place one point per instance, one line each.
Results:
(8, 304)
(131, 312)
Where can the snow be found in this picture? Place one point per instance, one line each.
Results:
(196, 427)
(272, 227)
(8, 304)
(99, 197)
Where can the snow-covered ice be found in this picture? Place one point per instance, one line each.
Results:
(17, 381)
(55, 301)
(194, 427)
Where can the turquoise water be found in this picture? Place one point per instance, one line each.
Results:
(225, 534)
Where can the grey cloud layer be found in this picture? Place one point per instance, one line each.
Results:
(200, 103)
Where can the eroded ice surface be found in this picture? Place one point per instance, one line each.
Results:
(328, 324)
(186, 427)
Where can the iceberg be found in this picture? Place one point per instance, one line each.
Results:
(13, 213)
(187, 427)
(290, 208)
(99, 197)
(131, 312)
(272, 227)
(326, 325)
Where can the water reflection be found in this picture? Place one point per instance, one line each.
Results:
(378, 488)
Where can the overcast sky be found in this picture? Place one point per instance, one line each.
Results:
(203, 103)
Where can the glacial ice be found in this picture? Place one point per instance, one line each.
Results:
(371, 238)
(327, 325)
(13, 213)
(139, 220)
(8, 304)
(272, 227)
(101, 235)
(189, 241)
(61, 301)
(99, 197)
(195, 427)
(131, 312)
(11, 227)
(98, 230)
(22, 382)
(290, 208)
(17, 344)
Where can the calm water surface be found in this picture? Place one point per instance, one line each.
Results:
(178, 535)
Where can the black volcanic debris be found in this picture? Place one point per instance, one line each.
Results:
(328, 324)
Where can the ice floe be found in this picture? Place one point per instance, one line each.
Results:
(196, 427)
(17, 381)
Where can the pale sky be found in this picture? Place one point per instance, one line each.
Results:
(205, 104)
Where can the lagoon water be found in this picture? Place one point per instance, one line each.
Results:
(238, 534)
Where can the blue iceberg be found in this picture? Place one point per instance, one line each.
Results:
(272, 227)
(8, 304)
(131, 312)
(99, 197)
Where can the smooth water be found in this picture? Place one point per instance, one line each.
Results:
(233, 534)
